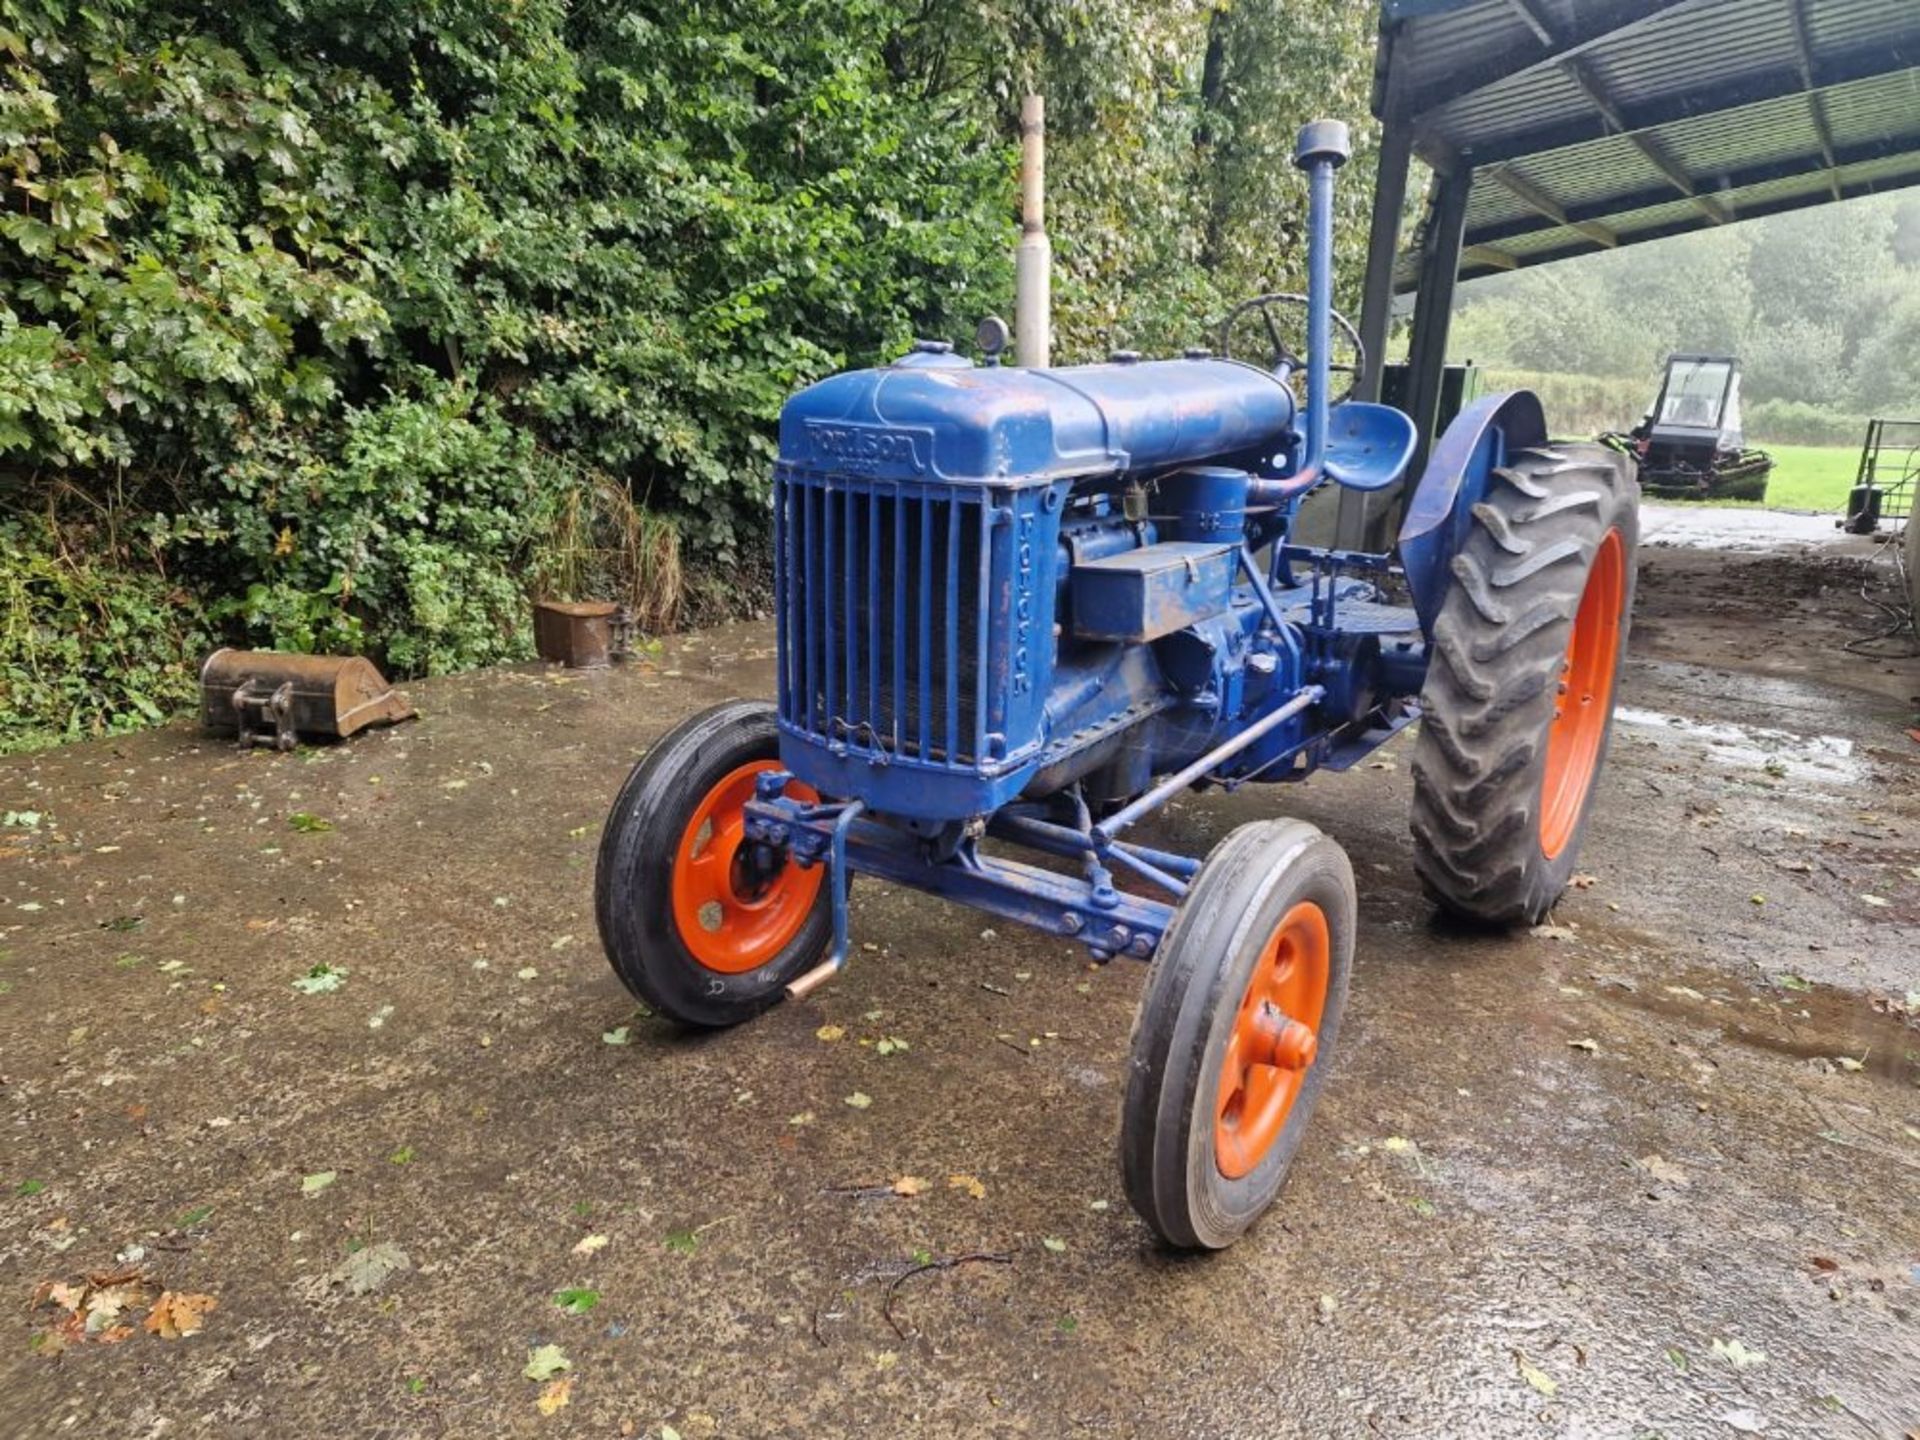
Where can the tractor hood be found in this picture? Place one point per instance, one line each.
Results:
(935, 417)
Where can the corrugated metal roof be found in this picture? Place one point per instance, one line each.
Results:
(1594, 121)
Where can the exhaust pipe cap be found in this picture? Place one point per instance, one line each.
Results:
(1323, 140)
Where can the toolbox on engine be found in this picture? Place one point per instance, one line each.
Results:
(1140, 595)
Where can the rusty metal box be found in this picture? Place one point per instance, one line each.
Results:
(1140, 595)
(574, 633)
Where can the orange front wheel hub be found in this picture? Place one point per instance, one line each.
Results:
(1585, 697)
(736, 905)
(1274, 1041)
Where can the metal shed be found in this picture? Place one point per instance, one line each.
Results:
(1557, 128)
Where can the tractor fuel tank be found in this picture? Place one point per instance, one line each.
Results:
(936, 417)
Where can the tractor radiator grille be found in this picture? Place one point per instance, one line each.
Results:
(882, 604)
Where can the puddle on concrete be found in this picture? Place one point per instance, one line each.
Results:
(1825, 758)
(1699, 527)
(1818, 1022)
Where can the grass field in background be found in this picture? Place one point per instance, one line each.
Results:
(1811, 477)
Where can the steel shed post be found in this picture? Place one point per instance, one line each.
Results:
(1433, 308)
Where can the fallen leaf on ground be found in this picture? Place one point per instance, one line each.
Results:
(1589, 1044)
(591, 1244)
(1663, 1170)
(1737, 1354)
(577, 1301)
(371, 1266)
(830, 1033)
(554, 1395)
(859, 1100)
(1536, 1377)
(1055, 1244)
(619, 1035)
(308, 824)
(1849, 1064)
(969, 1183)
(546, 1362)
(315, 1183)
(909, 1185)
(1553, 932)
(320, 979)
(175, 1315)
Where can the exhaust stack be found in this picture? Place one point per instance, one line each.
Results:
(1033, 260)
(1323, 147)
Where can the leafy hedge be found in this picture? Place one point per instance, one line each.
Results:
(331, 308)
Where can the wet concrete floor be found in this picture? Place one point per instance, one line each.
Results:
(1654, 1170)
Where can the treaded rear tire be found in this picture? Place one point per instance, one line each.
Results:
(1480, 762)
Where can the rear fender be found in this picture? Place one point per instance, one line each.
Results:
(1473, 446)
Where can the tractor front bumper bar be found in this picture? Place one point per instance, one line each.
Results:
(1106, 920)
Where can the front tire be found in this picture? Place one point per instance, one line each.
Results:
(701, 926)
(1517, 711)
(1242, 1007)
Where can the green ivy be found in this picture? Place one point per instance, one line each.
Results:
(336, 304)
(89, 644)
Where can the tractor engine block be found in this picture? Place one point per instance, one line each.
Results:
(993, 581)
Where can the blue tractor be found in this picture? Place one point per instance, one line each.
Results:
(1022, 609)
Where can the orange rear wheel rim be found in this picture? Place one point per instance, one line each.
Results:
(735, 907)
(1274, 1041)
(1585, 697)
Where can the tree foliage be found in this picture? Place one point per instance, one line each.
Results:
(1822, 307)
(324, 310)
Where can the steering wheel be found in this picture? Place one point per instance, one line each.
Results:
(1280, 354)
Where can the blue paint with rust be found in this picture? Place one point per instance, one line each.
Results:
(1008, 597)
(1152, 590)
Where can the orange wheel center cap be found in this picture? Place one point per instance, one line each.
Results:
(1274, 1041)
(735, 909)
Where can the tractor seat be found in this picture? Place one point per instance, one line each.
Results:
(1368, 445)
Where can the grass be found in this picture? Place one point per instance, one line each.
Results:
(1811, 477)
(1805, 477)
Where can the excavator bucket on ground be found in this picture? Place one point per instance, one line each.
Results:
(266, 697)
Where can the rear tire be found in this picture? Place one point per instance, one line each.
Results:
(1220, 1087)
(1506, 765)
(693, 926)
